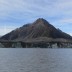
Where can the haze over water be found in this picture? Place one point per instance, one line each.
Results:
(35, 60)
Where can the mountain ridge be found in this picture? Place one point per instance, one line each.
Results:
(37, 29)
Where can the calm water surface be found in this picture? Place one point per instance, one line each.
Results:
(35, 60)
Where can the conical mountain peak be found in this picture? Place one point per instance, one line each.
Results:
(41, 21)
(37, 30)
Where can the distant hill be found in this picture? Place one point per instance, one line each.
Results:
(40, 29)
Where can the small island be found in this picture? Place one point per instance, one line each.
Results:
(39, 34)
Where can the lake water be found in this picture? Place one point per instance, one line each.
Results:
(35, 60)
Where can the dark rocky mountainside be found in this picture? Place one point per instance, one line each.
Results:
(39, 29)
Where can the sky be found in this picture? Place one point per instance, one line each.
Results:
(16, 13)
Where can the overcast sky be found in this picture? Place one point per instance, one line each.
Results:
(15, 13)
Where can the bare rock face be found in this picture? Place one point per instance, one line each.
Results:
(38, 29)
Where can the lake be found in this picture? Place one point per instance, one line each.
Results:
(35, 60)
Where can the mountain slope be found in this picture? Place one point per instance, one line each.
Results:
(38, 29)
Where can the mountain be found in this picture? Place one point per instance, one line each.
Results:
(40, 29)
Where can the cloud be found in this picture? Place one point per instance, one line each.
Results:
(66, 21)
(34, 8)
(6, 29)
(18, 12)
(70, 34)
